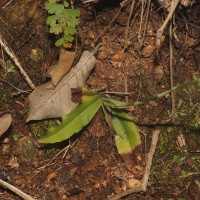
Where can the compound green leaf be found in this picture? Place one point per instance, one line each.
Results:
(72, 22)
(51, 20)
(69, 31)
(56, 29)
(66, 4)
(127, 137)
(73, 13)
(54, 8)
(74, 122)
(59, 42)
(68, 38)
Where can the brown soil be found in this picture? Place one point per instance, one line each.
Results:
(91, 168)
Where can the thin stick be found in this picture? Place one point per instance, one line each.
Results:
(8, 3)
(143, 186)
(152, 150)
(65, 150)
(126, 39)
(16, 61)
(15, 190)
(157, 96)
(19, 90)
(171, 73)
(162, 28)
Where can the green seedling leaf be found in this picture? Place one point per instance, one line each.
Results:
(127, 137)
(51, 20)
(72, 22)
(75, 121)
(113, 103)
(68, 38)
(65, 4)
(54, 8)
(56, 29)
(59, 42)
(69, 31)
(72, 13)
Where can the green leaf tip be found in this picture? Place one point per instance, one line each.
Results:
(74, 122)
(127, 137)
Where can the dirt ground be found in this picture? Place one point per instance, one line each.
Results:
(128, 60)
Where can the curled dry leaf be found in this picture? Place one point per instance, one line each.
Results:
(64, 65)
(5, 122)
(47, 103)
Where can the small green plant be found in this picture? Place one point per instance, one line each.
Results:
(127, 137)
(8, 66)
(16, 137)
(63, 21)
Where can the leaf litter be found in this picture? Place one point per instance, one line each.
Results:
(53, 103)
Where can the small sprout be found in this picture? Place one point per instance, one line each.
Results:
(63, 21)
(16, 137)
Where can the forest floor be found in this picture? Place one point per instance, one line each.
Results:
(127, 61)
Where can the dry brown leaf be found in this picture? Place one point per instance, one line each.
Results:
(5, 122)
(47, 103)
(64, 65)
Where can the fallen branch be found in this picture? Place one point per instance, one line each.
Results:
(162, 28)
(143, 186)
(16, 61)
(15, 190)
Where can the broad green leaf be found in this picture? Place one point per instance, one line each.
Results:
(74, 122)
(54, 8)
(59, 42)
(113, 103)
(127, 137)
(56, 29)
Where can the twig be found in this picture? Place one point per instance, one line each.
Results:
(143, 186)
(125, 44)
(65, 150)
(157, 96)
(171, 73)
(19, 90)
(15, 190)
(152, 150)
(16, 61)
(162, 28)
(8, 3)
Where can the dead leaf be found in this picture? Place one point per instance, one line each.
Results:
(5, 122)
(64, 65)
(47, 103)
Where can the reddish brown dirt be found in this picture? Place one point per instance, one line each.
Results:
(91, 168)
